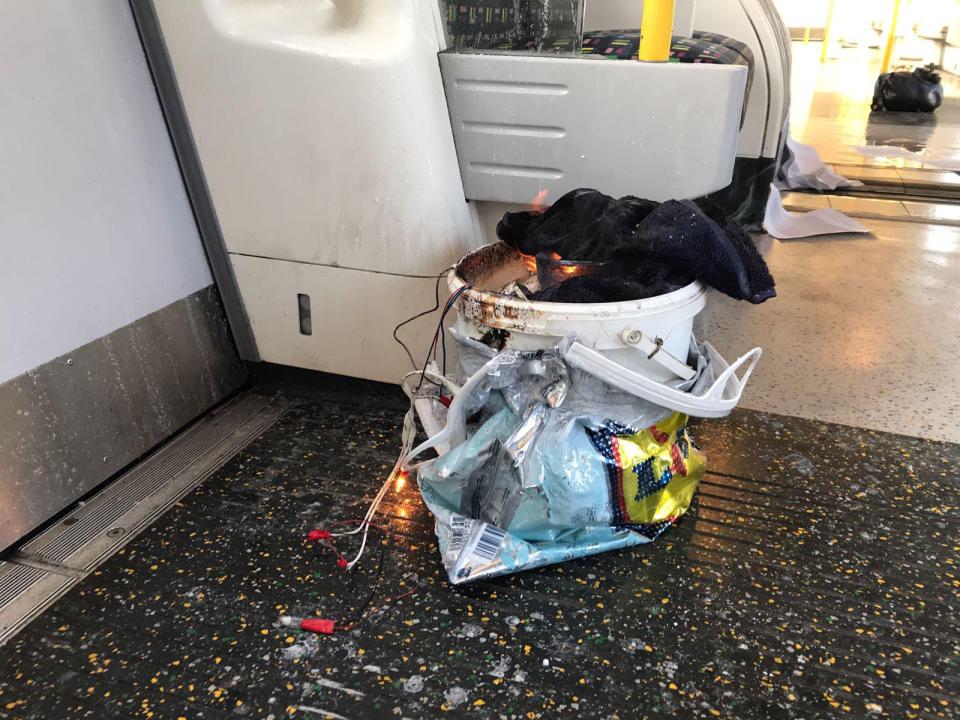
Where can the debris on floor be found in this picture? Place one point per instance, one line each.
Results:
(803, 169)
(785, 225)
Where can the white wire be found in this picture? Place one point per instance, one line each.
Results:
(408, 435)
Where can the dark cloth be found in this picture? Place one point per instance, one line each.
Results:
(645, 242)
(581, 225)
(600, 289)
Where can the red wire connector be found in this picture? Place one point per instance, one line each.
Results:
(321, 626)
(315, 535)
(318, 625)
(342, 562)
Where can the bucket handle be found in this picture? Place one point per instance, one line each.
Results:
(716, 401)
(653, 349)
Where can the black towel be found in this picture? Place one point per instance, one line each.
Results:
(581, 225)
(644, 241)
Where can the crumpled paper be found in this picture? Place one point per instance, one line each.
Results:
(786, 225)
(804, 170)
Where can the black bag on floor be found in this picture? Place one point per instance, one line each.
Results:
(917, 91)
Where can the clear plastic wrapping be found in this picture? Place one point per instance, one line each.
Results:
(555, 465)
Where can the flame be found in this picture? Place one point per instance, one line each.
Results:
(530, 263)
(538, 204)
(400, 479)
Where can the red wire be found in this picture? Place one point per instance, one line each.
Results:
(341, 560)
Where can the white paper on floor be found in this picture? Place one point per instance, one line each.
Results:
(787, 225)
(941, 162)
(805, 169)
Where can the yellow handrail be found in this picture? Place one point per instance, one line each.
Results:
(891, 37)
(656, 30)
(826, 32)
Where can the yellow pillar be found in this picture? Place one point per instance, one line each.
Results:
(656, 30)
(826, 31)
(891, 37)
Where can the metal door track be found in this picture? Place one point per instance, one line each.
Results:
(45, 568)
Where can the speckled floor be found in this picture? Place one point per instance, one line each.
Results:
(816, 576)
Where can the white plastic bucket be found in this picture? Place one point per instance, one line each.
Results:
(625, 332)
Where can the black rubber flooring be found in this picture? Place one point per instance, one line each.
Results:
(816, 576)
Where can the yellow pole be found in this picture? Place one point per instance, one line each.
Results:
(891, 37)
(826, 32)
(656, 30)
(806, 36)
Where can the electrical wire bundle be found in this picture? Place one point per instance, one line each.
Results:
(398, 476)
(326, 626)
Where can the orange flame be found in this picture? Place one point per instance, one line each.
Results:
(538, 204)
(530, 263)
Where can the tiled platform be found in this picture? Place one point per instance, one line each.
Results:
(830, 109)
(863, 331)
(886, 208)
(816, 576)
(902, 181)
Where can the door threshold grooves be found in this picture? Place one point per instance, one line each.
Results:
(50, 564)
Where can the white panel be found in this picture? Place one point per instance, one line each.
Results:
(657, 130)
(748, 21)
(95, 227)
(739, 20)
(323, 129)
(728, 18)
(353, 316)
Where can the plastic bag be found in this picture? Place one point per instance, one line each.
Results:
(917, 91)
(555, 465)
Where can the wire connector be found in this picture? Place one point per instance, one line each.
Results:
(315, 535)
(321, 626)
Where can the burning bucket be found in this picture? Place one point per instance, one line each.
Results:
(561, 440)
(649, 336)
